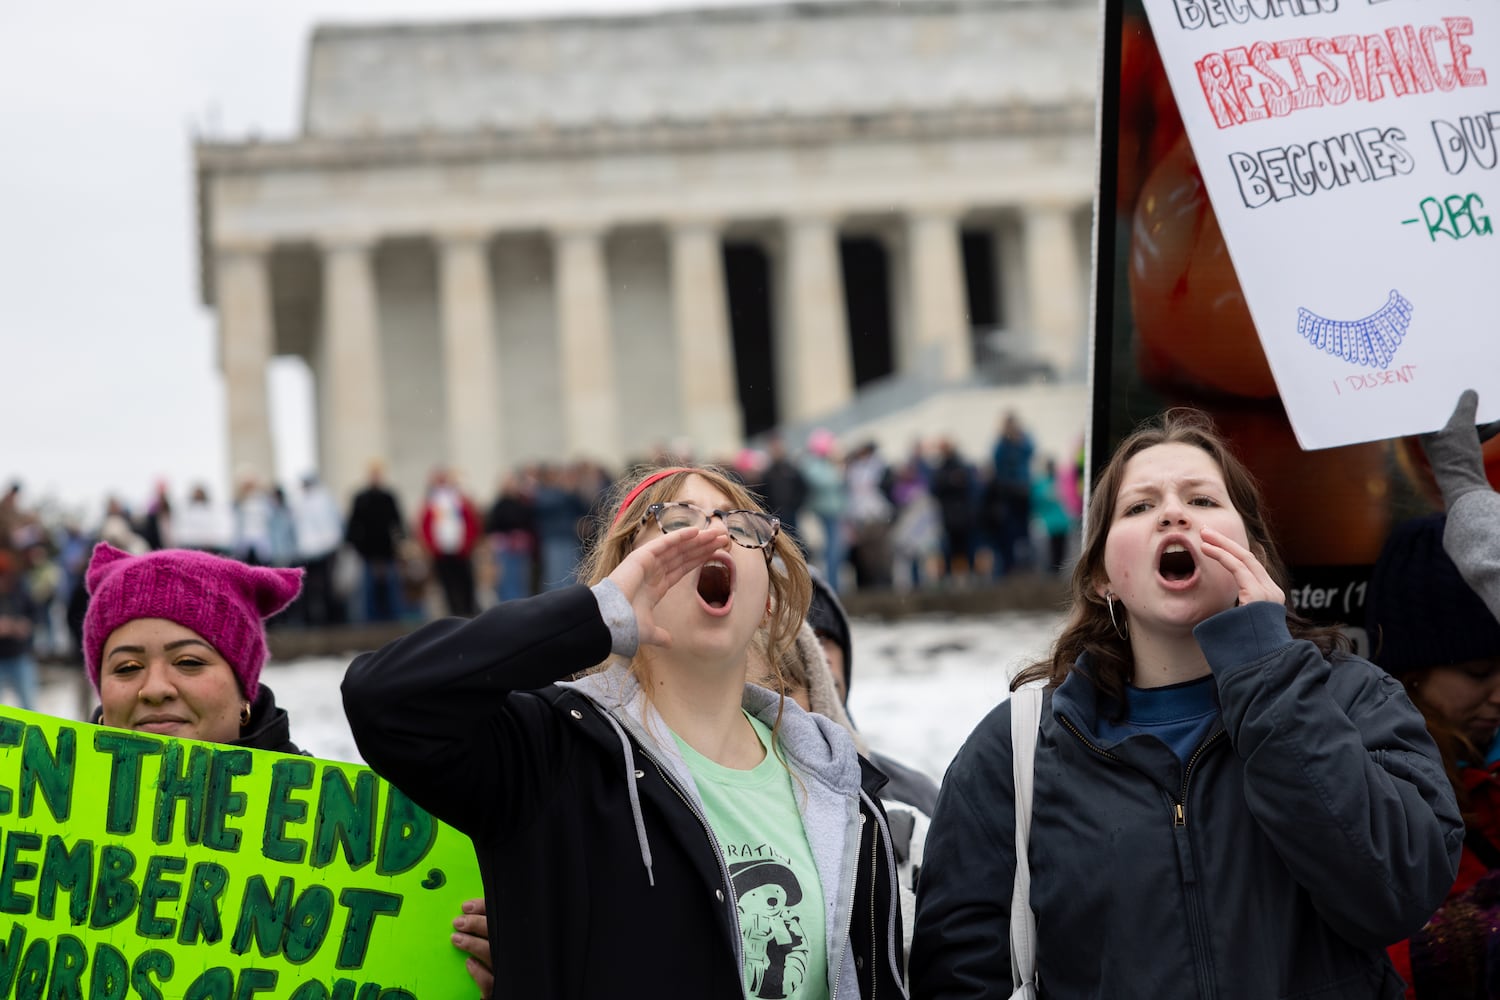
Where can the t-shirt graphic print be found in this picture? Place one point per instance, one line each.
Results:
(777, 891)
(775, 942)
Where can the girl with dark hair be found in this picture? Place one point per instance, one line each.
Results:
(617, 814)
(1433, 633)
(1434, 595)
(1226, 803)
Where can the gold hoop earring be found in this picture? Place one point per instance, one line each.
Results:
(244, 715)
(1109, 598)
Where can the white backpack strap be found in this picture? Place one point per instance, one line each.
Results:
(1025, 717)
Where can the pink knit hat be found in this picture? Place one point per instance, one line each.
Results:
(223, 600)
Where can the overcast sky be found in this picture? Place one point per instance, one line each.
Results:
(107, 374)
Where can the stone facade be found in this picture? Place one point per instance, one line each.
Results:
(507, 241)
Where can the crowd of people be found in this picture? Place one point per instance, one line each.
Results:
(934, 518)
(1221, 799)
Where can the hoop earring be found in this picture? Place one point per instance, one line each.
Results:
(1109, 597)
(244, 716)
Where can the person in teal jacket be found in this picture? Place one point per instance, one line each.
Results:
(827, 499)
(1047, 508)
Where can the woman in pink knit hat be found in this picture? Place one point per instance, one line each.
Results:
(174, 642)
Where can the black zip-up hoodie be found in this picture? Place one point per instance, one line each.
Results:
(601, 878)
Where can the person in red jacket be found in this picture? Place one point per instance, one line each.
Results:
(450, 529)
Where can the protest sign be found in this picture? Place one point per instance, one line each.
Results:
(148, 868)
(1349, 151)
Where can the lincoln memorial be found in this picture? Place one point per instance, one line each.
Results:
(508, 241)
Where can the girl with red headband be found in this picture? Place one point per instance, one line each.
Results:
(628, 820)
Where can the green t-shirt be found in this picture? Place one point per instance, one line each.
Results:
(754, 815)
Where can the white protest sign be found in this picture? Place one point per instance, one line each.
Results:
(1349, 149)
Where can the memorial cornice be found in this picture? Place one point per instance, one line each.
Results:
(1019, 121)
(824, 57)
(733, 14)
(249, 158)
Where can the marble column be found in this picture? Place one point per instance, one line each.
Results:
(353, 375)
(706, 387)
(1055, 291)
(471, 362)
(814, 366)
(1010, 273)
(590, 401)
(940, 333)
(242, 286)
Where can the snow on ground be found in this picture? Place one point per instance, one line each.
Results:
(919, 685)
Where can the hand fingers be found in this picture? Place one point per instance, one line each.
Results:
(1253, 578)
(665, 568)
(667, 559)
(662, 564)
(691, 550)
(478, 947)
(1228, 545)
(1227, 559)
(1464, 412)
(483, 978)
(1234, 557)
(472, 924)
(472, 931)
(652, 569)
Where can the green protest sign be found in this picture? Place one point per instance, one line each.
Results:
(136, 867)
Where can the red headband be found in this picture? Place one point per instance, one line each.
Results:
(655, 477)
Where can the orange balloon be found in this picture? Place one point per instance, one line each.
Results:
(1149, 122)
(1192, 323)
(1324, 508)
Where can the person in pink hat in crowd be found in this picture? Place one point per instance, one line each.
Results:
(174, 642)
(749, 467)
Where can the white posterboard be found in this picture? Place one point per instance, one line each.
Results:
(1349, 148)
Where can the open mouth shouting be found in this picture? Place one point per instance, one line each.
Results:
(1175, 564)
(716, 586)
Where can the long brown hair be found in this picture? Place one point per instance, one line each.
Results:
(1089, 628)
(1454, 746)
(615, 535)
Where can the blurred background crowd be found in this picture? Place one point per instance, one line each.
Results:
(931, 518)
